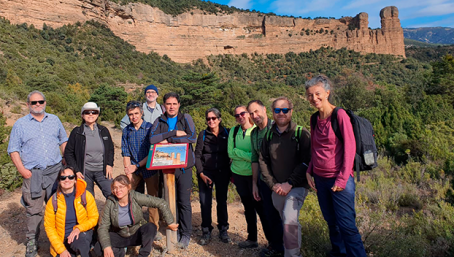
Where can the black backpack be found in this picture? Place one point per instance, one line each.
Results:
(366, 150)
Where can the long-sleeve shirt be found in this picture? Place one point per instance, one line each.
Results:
(330, 157)
(241, 153)
(283, 157)
(136, 145)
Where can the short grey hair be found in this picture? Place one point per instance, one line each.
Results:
(35, 92)
(320, 79)
(216, 112)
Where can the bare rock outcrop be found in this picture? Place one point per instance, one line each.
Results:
(194, 35)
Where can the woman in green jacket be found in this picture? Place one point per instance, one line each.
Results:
(122, 223)
(240, 151)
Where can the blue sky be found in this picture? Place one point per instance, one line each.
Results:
(412, 13)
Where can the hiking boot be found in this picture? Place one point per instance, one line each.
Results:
(271, 253)
(184, 242)
(248, 244)
(223, 236)
(158, 236)
(31, 249)
(206, 236)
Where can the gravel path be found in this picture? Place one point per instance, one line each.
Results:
(12, 222)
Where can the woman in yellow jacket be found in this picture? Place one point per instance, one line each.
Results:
(70, 216)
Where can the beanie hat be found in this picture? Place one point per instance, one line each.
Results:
(151, 87)
(90, 106)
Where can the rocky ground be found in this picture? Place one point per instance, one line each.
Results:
(12, 218)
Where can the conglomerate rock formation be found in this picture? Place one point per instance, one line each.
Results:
(194, 34)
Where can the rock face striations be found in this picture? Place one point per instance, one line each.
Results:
(194, 35)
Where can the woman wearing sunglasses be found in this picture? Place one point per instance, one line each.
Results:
(90, 151)
(331, 167)
(240, 151)
(213, 168)
(70, 216)
(123, 224)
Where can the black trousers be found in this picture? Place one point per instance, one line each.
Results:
(251, 206)
(143, 237)
(183, 184)
(221, 179)
(80, 246)
(272, 222)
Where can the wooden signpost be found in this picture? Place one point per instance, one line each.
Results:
(168, 157)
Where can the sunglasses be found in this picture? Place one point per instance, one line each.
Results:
(212, 118)
(35, 102)
(240, 114)
(284, 110)
(133, 104)
(91, 112)
(71, 177)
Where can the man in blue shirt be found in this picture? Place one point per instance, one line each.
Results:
(36, 143)
(135, 145)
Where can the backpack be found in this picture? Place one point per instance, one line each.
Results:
(269, 136)
(366, 150)
(235, 132)
(83, 199)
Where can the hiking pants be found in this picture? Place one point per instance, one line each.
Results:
(289, 207)
(34, 207)
(221, 179)
(143, 237)
(338, 209)
(152, 189)
(183, 188)
(80, 246)
(273, 229)
(103, 183)
(252, 207)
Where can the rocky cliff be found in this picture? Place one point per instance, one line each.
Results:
(194, 35)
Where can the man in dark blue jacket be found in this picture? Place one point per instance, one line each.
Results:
(176, 127)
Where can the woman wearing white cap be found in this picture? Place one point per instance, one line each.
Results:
(90, 151)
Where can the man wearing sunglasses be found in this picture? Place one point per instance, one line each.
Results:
(272, 223)
(135, 145)
(151, 109)
(36, 143)
(284, 155)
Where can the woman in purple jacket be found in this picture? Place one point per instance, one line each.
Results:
(331, 167)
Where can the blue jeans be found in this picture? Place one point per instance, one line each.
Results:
(338, 209)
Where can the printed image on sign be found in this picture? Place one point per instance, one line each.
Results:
(169, 155)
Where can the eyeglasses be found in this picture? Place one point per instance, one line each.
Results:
(240, 114)
(284, 110)
(70, 177)
(212, 118)
(151, 92)
(91, 112)
(120, 187)
(35, 102)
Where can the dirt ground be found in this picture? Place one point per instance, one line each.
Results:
(13, 227)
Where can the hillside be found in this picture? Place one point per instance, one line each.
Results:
(194, 29)
(404, 205)
(434, 35)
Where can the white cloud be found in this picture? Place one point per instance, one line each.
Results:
(433, 10)
(244, 4)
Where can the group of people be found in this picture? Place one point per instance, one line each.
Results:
(272, 163)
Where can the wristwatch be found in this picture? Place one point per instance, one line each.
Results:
(138, 165)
